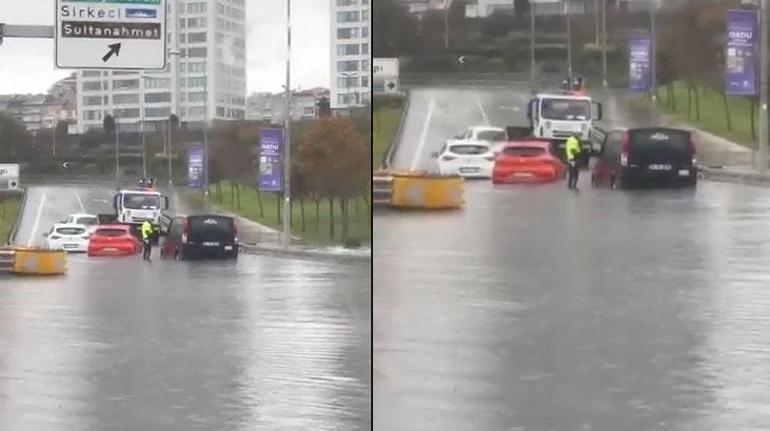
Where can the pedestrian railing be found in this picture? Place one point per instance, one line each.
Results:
(7, 259)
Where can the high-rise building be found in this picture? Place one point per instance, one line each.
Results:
(350, 53)
(210, 79)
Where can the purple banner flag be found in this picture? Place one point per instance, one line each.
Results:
(639, 64)
(270, 168)
(740, 70)
(195, 167)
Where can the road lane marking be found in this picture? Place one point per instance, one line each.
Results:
(37, 221)
(423, 135)
(510, 108)
(483, 111)
(80, 202)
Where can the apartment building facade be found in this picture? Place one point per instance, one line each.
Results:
(207, 82)
(350, 53)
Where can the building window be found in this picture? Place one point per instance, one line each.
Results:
(196, 52)
(364, 32)
(196, 97)
(126, 84)
(365, 48)
(196, 37)
(348, 49)
(196, 22)
(351, 16)
(364, 15)
(122, 99)
(93, 115)
(194, 82)
(196, 67)
(309, 111)
(220, 111)
(92, 86)
(347, 82)
(157, 97)
(92, 74)
(347, 66)
(364, 65)
(343, 3)
(199, 7)
(197, 111)
(127, 113)
(92, 101)
(347, 33)
(157, 112)
(365, 81)
(157, 83)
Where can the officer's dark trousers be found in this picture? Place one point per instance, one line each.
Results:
(572, 175)
(146, 249)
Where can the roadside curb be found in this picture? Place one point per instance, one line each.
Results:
(721, 175)
(12, 234)
(393, 146)
(294, 253)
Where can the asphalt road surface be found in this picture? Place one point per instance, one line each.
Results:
(535, 308)
(121, 344)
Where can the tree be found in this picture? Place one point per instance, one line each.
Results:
(14, 138)
(332, 156)
(522, 7)
(396, 30)
(324, 107)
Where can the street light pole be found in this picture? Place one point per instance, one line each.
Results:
(117, 155)
(141, 119)
(653, 56)
(763, 87)
(205, 130)
(446, 23)
(53, 137)
(533, 65)
(286, 239)
(604, 44)
(569, 38)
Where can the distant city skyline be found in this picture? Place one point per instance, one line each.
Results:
(27, 64)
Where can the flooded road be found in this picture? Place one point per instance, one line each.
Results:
(535, 308)
(260, 343)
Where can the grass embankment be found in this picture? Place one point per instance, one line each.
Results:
(317, 225)
(713, 116)
(387, 114)
(9, 210)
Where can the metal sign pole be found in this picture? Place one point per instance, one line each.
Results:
(286, 240)
(763, 88)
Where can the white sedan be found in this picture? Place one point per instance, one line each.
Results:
(492, 136)
(471, 160)
(89, 220)
(68, 237)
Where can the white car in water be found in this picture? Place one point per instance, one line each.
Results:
(89, 220)
(68, 237)
(492, 136)
(470, 160)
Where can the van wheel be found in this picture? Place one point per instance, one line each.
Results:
(177, 256)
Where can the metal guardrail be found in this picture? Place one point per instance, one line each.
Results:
(7, 259)
(382, 189)
(15, 229)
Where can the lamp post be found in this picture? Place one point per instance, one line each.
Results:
(604, 44)
(286, 239)
(532, 66)
(569, 38)
(763, 87)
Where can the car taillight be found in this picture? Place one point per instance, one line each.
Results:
(692, 151)
(185, 231)
(448, 158)
(625, 147)
(235, 232)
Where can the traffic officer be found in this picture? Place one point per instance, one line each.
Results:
(146, 240)
(572, 148)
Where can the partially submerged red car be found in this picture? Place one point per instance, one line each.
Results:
(527, 161)
(113, 240)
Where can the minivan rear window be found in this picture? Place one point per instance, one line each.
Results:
(524, 151)
(211, 224)
(88, 221)
(652, 139)
(468, 149)
(70, 231)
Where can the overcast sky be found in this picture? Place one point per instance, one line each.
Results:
(26, 66)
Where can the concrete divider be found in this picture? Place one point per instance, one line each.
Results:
(34, 261)
(425, 191)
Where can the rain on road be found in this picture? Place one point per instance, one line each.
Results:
(260, 343)
(534, 308)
